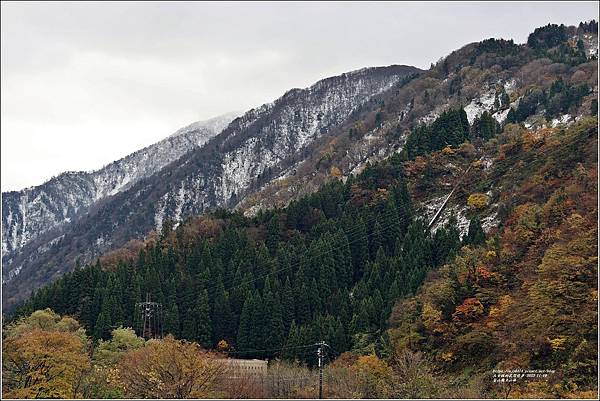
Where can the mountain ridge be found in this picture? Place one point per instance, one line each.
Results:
(47, 202)
(210, 176)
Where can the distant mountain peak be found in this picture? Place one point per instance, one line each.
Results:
(33, 211)
(214, 124)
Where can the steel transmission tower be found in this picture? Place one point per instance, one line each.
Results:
(151, 318)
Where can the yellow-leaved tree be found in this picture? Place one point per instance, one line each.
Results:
(44, 356)
(373, 376)
(168, 368)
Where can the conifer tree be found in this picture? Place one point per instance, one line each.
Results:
(453, 237)
(103, 325)
(273, 329)
(136, 297)
(203, 322)
(475, 235)
(361, 321)
(377, 239)
(338, 341)
(129, 301)
(292, 342)
(393, 294)
(264, 264)
(314, 298)
(287, 304)
(272, 235)
(378, 308)
(327, 274)
(222, 317)
(485, 126)
(343, 258)
(404, 205)
(359, 245)
(189, 327)
(244, 341)
(241, 283)
(302, 303)
(172, 319)
(392, 222)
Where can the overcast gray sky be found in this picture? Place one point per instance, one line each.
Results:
(84, 84)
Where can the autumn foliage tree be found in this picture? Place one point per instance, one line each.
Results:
(168, 368)
(42, 364)
(44, 356)
(373, 375)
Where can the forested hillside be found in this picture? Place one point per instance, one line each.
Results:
(526, 298)
(412, 303)
(332, 265)
(328, 266)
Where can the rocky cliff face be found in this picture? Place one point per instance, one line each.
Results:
(247, 154)
(31, 212)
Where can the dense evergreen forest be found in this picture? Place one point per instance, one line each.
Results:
(329, 266)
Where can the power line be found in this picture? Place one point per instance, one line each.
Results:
(350, 233)
(299, 259)
(271, 349)
(386, 214)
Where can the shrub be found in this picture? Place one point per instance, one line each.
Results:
(477, 201)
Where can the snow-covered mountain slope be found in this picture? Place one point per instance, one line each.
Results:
(332, 130)
(28, 213)
(249, 151)
(492, 76)
(265, 140)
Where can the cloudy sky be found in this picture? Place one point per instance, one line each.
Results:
(84, 84)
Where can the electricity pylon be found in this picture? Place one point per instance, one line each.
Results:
(151, 318)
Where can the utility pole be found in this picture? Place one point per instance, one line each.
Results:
(320, 352)
(152, 318)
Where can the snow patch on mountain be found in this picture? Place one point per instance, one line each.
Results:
(590, 44)
(11, 274)
(485, 102)
(501, 115)
(429, 118)
(510, 86)
(564, 119)
(490, 221)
